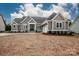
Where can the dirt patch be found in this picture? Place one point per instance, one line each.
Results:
(38, 44)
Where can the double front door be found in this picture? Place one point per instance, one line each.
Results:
(32, 27)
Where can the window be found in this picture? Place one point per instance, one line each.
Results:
(57, 24)
(66, 25)
(26, 27)
(60, 25)
(14, 26)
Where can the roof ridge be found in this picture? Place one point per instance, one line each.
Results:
(52, 15)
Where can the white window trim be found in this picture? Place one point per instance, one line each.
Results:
(15, 27)
(57, 21)
(13, 24)
(32, 19)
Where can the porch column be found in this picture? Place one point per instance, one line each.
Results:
(55, 25)
(16, 27)
(63, 25)
(35, 27)
(28, 27)
(68, 25)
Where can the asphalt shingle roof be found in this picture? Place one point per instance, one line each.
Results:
(18, 20)
(52, 15)
(39, 19)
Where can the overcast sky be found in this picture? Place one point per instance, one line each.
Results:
(16, 10)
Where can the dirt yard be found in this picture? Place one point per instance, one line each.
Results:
(37, 44)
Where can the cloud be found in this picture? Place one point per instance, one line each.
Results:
(16, 15)
(74, 5)
(60, 9)
(57, 8)
(62, 4)
(67, 15)
(21, 7)
(31, 10)
(39, 5)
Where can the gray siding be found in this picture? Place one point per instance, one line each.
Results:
(59, 17)
(38, 28)
(49, 25)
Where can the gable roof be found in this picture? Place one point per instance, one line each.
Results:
(52, 16)
(27, 18)
(18, 20)
(39, 19)
(77, 18)
(3, 19)
(58, 14)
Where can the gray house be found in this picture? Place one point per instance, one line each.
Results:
(54, 23)
(27, 24)
(2, 24)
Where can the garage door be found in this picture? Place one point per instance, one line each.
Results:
(45, 29)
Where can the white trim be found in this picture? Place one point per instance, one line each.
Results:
(15, 24)
(47, 27)
(60, 20)
(44, 22)
(60, 30)
(13, 21)
(31, 19)
(14, 30)
(63, 25)
(31, 23)
(29, 26)
(24, 27)
(55, 16)
(12, 27)
(23, 24)
(58, 15)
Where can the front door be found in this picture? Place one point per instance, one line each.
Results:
(32, 27)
